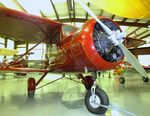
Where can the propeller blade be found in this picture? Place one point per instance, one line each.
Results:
(132, 60)
(115, 37)
(87, 9)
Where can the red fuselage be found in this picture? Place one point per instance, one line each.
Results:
(87, 48)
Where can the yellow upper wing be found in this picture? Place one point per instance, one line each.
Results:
(125, 8)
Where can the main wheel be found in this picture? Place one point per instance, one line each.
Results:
(145, 79)
(122, 80)
(31, 87)
(88, 82)
(100, 98)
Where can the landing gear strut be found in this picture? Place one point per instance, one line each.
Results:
(87, 81)
(32, 85)
(95, 97)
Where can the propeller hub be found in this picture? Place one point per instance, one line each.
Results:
(106, 45)
(117, 37)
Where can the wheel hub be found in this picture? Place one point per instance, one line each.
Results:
(94, 101)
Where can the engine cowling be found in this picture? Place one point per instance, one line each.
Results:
(96, 51)
(89, 48)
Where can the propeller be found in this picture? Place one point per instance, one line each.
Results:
(117, 38)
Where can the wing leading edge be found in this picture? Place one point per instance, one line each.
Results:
(25, 27)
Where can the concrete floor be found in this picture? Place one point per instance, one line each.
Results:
(66, 98)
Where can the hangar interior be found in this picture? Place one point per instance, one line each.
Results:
(66, 97)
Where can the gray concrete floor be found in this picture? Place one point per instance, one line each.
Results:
(66, 98)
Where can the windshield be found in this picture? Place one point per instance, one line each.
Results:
(67, 29)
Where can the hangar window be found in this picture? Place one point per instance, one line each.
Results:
(39, 52)
(144, 60)
(10, 44)
(1, 46)
(1, 40)
(21, 48)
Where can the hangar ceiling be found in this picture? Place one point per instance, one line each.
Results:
(70, 11)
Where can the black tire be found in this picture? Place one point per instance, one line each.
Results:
(99, 74)
(21, 74)
(17, 74)
(145, 79)
(122, 80)
(31, 94)
(103, 98)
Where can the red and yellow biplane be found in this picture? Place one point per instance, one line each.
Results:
(96, 46)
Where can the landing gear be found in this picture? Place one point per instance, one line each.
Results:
(31, 87)
(122, 80)
(96, 99)
(145, 79)
(32, 84)
(88, 82)
(92, 101)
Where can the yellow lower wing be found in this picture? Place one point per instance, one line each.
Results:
(7, 52)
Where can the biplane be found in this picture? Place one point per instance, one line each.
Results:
(21, 63)
(96, 46)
